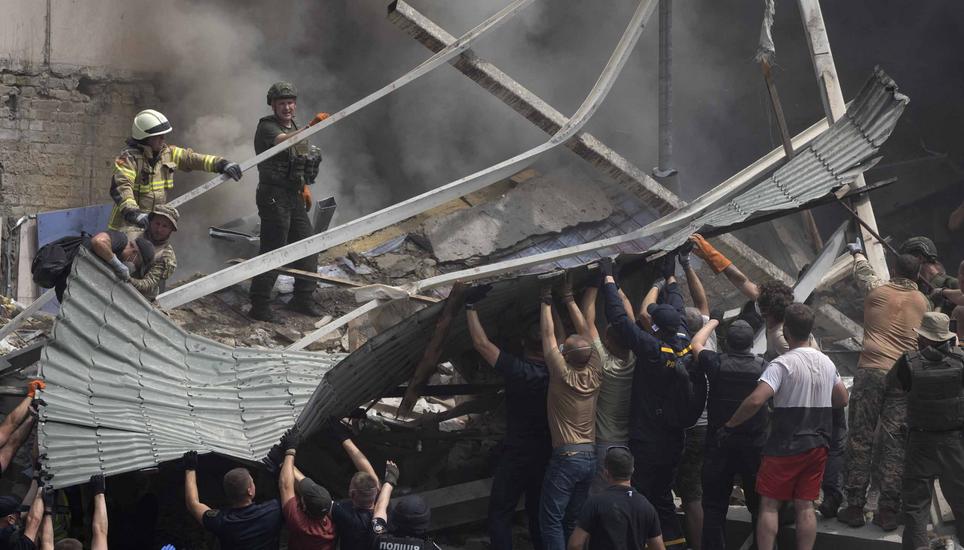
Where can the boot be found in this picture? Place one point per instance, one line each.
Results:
(261, 312)
(831, 502)
(305, 306)
(852, 516)
(886, 519)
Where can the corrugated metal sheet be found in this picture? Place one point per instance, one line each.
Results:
(128, 389)
(831, 161)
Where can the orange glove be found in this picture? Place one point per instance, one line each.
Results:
(717, 261)
(318, 118)
(306, 195)
(35, 385)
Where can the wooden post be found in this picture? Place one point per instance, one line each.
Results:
(834, 107)
(426, 366)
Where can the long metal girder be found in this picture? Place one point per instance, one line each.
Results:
(431, 199)
(832, 160)
(426, 67)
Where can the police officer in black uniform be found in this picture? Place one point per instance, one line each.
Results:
(731, 376)
(933, 378)
(284, 199)
(410, 518)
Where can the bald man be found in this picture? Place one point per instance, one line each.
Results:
(575, 374)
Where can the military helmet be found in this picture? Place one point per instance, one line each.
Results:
(281, 90)
(168, 212)
(919, 246)
(149, 123)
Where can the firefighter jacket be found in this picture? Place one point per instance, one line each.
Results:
(141, 180)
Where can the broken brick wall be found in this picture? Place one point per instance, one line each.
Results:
(59, 134)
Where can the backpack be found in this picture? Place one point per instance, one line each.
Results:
(53, 260)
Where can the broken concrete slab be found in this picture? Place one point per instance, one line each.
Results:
(540, 206)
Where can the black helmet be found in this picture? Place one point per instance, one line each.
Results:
(281, 90)
(919, 246)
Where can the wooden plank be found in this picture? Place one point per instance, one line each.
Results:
(336, 324)
(835, 108)
(433, 352)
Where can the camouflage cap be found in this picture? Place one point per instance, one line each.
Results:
(919, 246)
(168, 212)
(281, 90)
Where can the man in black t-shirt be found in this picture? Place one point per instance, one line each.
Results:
(619, 517)
(244, 525)
(526, 447)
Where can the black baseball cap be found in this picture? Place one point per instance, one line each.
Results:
(317, 499)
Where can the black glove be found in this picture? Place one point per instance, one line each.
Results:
(716, 313)
(683, 255)
(272, 462)
(49, 497)
(189, 461)
(98, 485)
(136, 217)
(722, 434)
(336, 432)
(291, 438)
(667, 268)
(475, 295)
(567, 289)
(232, 169)
(391, 474)
(606, 267)
(545, 295)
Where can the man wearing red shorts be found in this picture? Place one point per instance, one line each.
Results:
(805, 388)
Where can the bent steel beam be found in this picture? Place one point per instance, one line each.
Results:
(27, 313)
(429, 65)
(408, 208)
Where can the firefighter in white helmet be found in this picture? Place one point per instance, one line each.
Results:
(144, 171)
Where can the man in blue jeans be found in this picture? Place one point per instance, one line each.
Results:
(575, 373)
(661, 397)
(525, 449)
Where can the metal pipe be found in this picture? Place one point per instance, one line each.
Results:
(665, 167)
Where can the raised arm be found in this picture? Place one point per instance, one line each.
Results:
(546, 324)
(627, 332)
(35, 517)
(721, 264)
(650, 298)
(588, 309)
(699, 339)
(480, 341)
(697, 292)
(579, 321)
(98, 523)
(385, 494)
(191, 500)
(286, 477)
(339, 434)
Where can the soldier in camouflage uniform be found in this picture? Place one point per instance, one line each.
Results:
(284, 199)
(162, 222)
(878, 415)
(144, 171)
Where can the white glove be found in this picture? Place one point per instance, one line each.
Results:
(120, 269)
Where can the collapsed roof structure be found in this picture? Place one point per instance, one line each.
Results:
(128, 389)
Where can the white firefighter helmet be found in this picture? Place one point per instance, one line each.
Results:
(149, 123)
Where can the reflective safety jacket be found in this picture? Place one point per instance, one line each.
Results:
(935, 402)
(141, 180)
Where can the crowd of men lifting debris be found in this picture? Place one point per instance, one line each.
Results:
(605, 418)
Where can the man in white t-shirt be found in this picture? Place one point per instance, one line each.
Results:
(805, 388)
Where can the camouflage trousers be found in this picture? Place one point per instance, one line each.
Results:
(878, 436)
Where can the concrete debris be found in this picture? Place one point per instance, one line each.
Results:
(538, 206)
(395, 265)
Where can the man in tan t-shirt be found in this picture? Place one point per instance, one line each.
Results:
(892, 310)
(574, 379)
